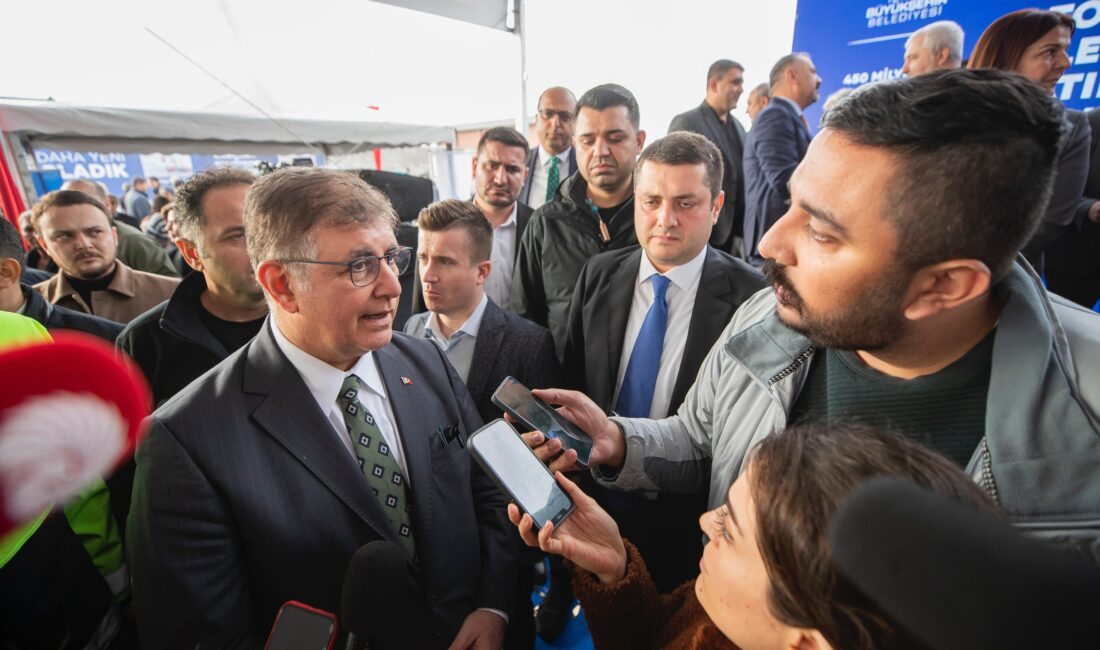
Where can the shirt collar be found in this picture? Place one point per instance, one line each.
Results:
(511, 220)
(682, 276)
(469, 328)
(791, 102)
(545, 156)
(324, 381)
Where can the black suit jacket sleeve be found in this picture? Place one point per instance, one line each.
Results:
(191, 525)
(573, 364)
(528, 290)
(777, 148)
(499, 542)
(1069, 184)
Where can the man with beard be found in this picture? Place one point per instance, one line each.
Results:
(75, 230)
(896, 305)
(217, 309)
(593, 211)
(499, 173)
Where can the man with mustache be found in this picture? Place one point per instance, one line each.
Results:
(75, 229)
(895, 305)
(592, 213)
(775, 146)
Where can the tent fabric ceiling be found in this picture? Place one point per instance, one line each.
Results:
(149, 131)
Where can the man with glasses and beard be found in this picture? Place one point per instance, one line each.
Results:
(260, 480)
(899, 299)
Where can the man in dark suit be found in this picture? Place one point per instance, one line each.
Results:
(554, 159)
(1072, 264)
(483, 342)
(259, 481)
(499, 175)
(776, 144)
(712, 120)
(637, 355)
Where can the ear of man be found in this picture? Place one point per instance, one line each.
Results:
(946, 285)
(190, 253)
(278, 284)
(10, 270)
(483, 269)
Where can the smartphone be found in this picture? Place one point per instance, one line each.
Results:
(518, 401)
(301, 627)
(518, 471)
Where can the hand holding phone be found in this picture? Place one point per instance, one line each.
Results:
(589, 537)
(516, 400)
(511, 463)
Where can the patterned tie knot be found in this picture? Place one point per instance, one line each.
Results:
(660, 286)
(554, 160)
(349, 391)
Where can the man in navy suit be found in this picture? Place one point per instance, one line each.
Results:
(776, 144)
(554, 123)
(260, 480)
(713, 121)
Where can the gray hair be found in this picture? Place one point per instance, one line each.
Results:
(283, 208)
(761, 90)
(98, 190)
(939, 35)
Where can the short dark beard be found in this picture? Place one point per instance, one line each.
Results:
(870, 321)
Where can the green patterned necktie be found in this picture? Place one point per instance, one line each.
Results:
(376, 459)
(552, 179)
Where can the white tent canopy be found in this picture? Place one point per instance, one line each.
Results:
(83, 128)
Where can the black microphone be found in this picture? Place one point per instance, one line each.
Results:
(957, 577)
(382, 604)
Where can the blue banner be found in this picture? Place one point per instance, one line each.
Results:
(118, 169)
(858, 42)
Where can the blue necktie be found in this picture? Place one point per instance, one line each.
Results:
(636, 395)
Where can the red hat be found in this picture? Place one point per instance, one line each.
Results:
(71, 411)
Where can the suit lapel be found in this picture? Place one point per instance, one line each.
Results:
(486, 348)
(709, 316)
(290, 415)
(620, 296)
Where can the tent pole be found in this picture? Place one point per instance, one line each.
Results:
(521, 32)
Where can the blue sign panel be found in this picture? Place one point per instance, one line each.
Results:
(116, 169)
(857, 42)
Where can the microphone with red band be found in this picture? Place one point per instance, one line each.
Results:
(71, 411)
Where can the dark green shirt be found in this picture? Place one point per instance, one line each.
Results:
(944, 411)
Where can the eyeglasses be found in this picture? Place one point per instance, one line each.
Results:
(565, 117)
(364, 270)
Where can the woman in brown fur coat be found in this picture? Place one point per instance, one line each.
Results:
(766, 580)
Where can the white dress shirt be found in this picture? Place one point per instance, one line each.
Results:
(680, 296)
(540, 174)
(498, 285)
(325, 382)
(459, 347)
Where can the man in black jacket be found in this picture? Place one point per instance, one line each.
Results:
(214, 311)
(593, 212)
(22, 299)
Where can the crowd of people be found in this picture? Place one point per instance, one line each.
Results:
(748, 324)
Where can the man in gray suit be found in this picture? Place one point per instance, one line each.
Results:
(712, 120)
(260, 480)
